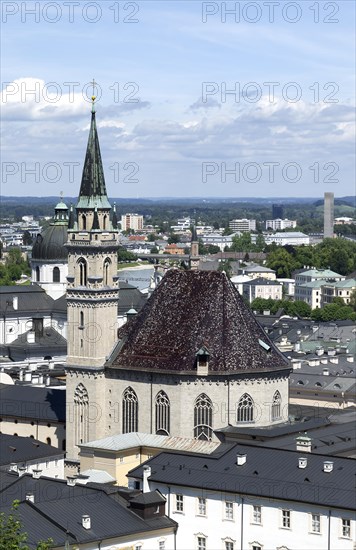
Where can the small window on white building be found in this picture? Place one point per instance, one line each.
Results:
(315, 523)
(229, 545)
(201, 506)
(346, 528)
(179, 503)
(256, 546)
(286, 523)
(229, 510)
(201, 542)
(257, 515)
(161, 545)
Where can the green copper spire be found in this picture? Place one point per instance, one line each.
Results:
(92, 189)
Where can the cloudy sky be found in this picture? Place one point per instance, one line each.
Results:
(194, 98)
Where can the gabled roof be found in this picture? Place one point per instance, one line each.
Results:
(188, 310)
(22, 449)
(58, 509)
(268, 473)
(32, 299)
(133, 440)
(31, 402)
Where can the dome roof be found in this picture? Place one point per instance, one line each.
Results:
(49, 244)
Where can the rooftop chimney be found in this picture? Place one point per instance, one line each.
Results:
(241, 459)
(146, 475)
(15, 302)
(31, 337)
(30, 497)
(303, 443)
(328, 466)
(86, 523)
(302, 462)
(326, 372)
(36, 473)
(21, 470)
(71, 481)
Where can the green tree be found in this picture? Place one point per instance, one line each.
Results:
(154, 250)
(260, 243)
(352, 301)
(242, 243)
(12, 536)
(26, 238)
(302, 308)
(282, 262)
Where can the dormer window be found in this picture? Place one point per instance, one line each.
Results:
(203, 356)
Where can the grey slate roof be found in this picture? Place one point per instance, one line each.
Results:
(32, 300)
(189, 310)
(33, 403)
(268, 473)
(262, 281)
(129, 297)
(21, 449)
(51, 343)
(58, 509)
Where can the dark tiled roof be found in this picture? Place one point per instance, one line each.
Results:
(49, 244)
(31, 402)
(21, 449)
(262, 281)
(58, 509)
(49, 344)
(129, 297)
(270, 473)
(32, 299)
(188, 310)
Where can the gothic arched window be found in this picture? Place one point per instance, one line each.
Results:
(56, 275)
(38, 278)
(107, 263)
(129, 411)
(81, 319)
(84, 221)
(162, 413)
(245, 409)
(82, 272)
(104, 222)
(81, 414)
(276, 406)
(203, 417)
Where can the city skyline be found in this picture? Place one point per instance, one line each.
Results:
(191, 101)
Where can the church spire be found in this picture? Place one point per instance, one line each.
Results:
(92, 189)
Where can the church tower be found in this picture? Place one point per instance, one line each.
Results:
(194, 250)
(92, 290)
(92, 299)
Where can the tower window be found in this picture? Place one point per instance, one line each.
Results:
(162, 413)
(81, 414)
(82, 272)
(81, 319)
(38, 275)
(203, 417)
(276, 406)
(84, 221)
(129, 411)
(104, 222)
(107, 263)
(56, 275)
(245, 409)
